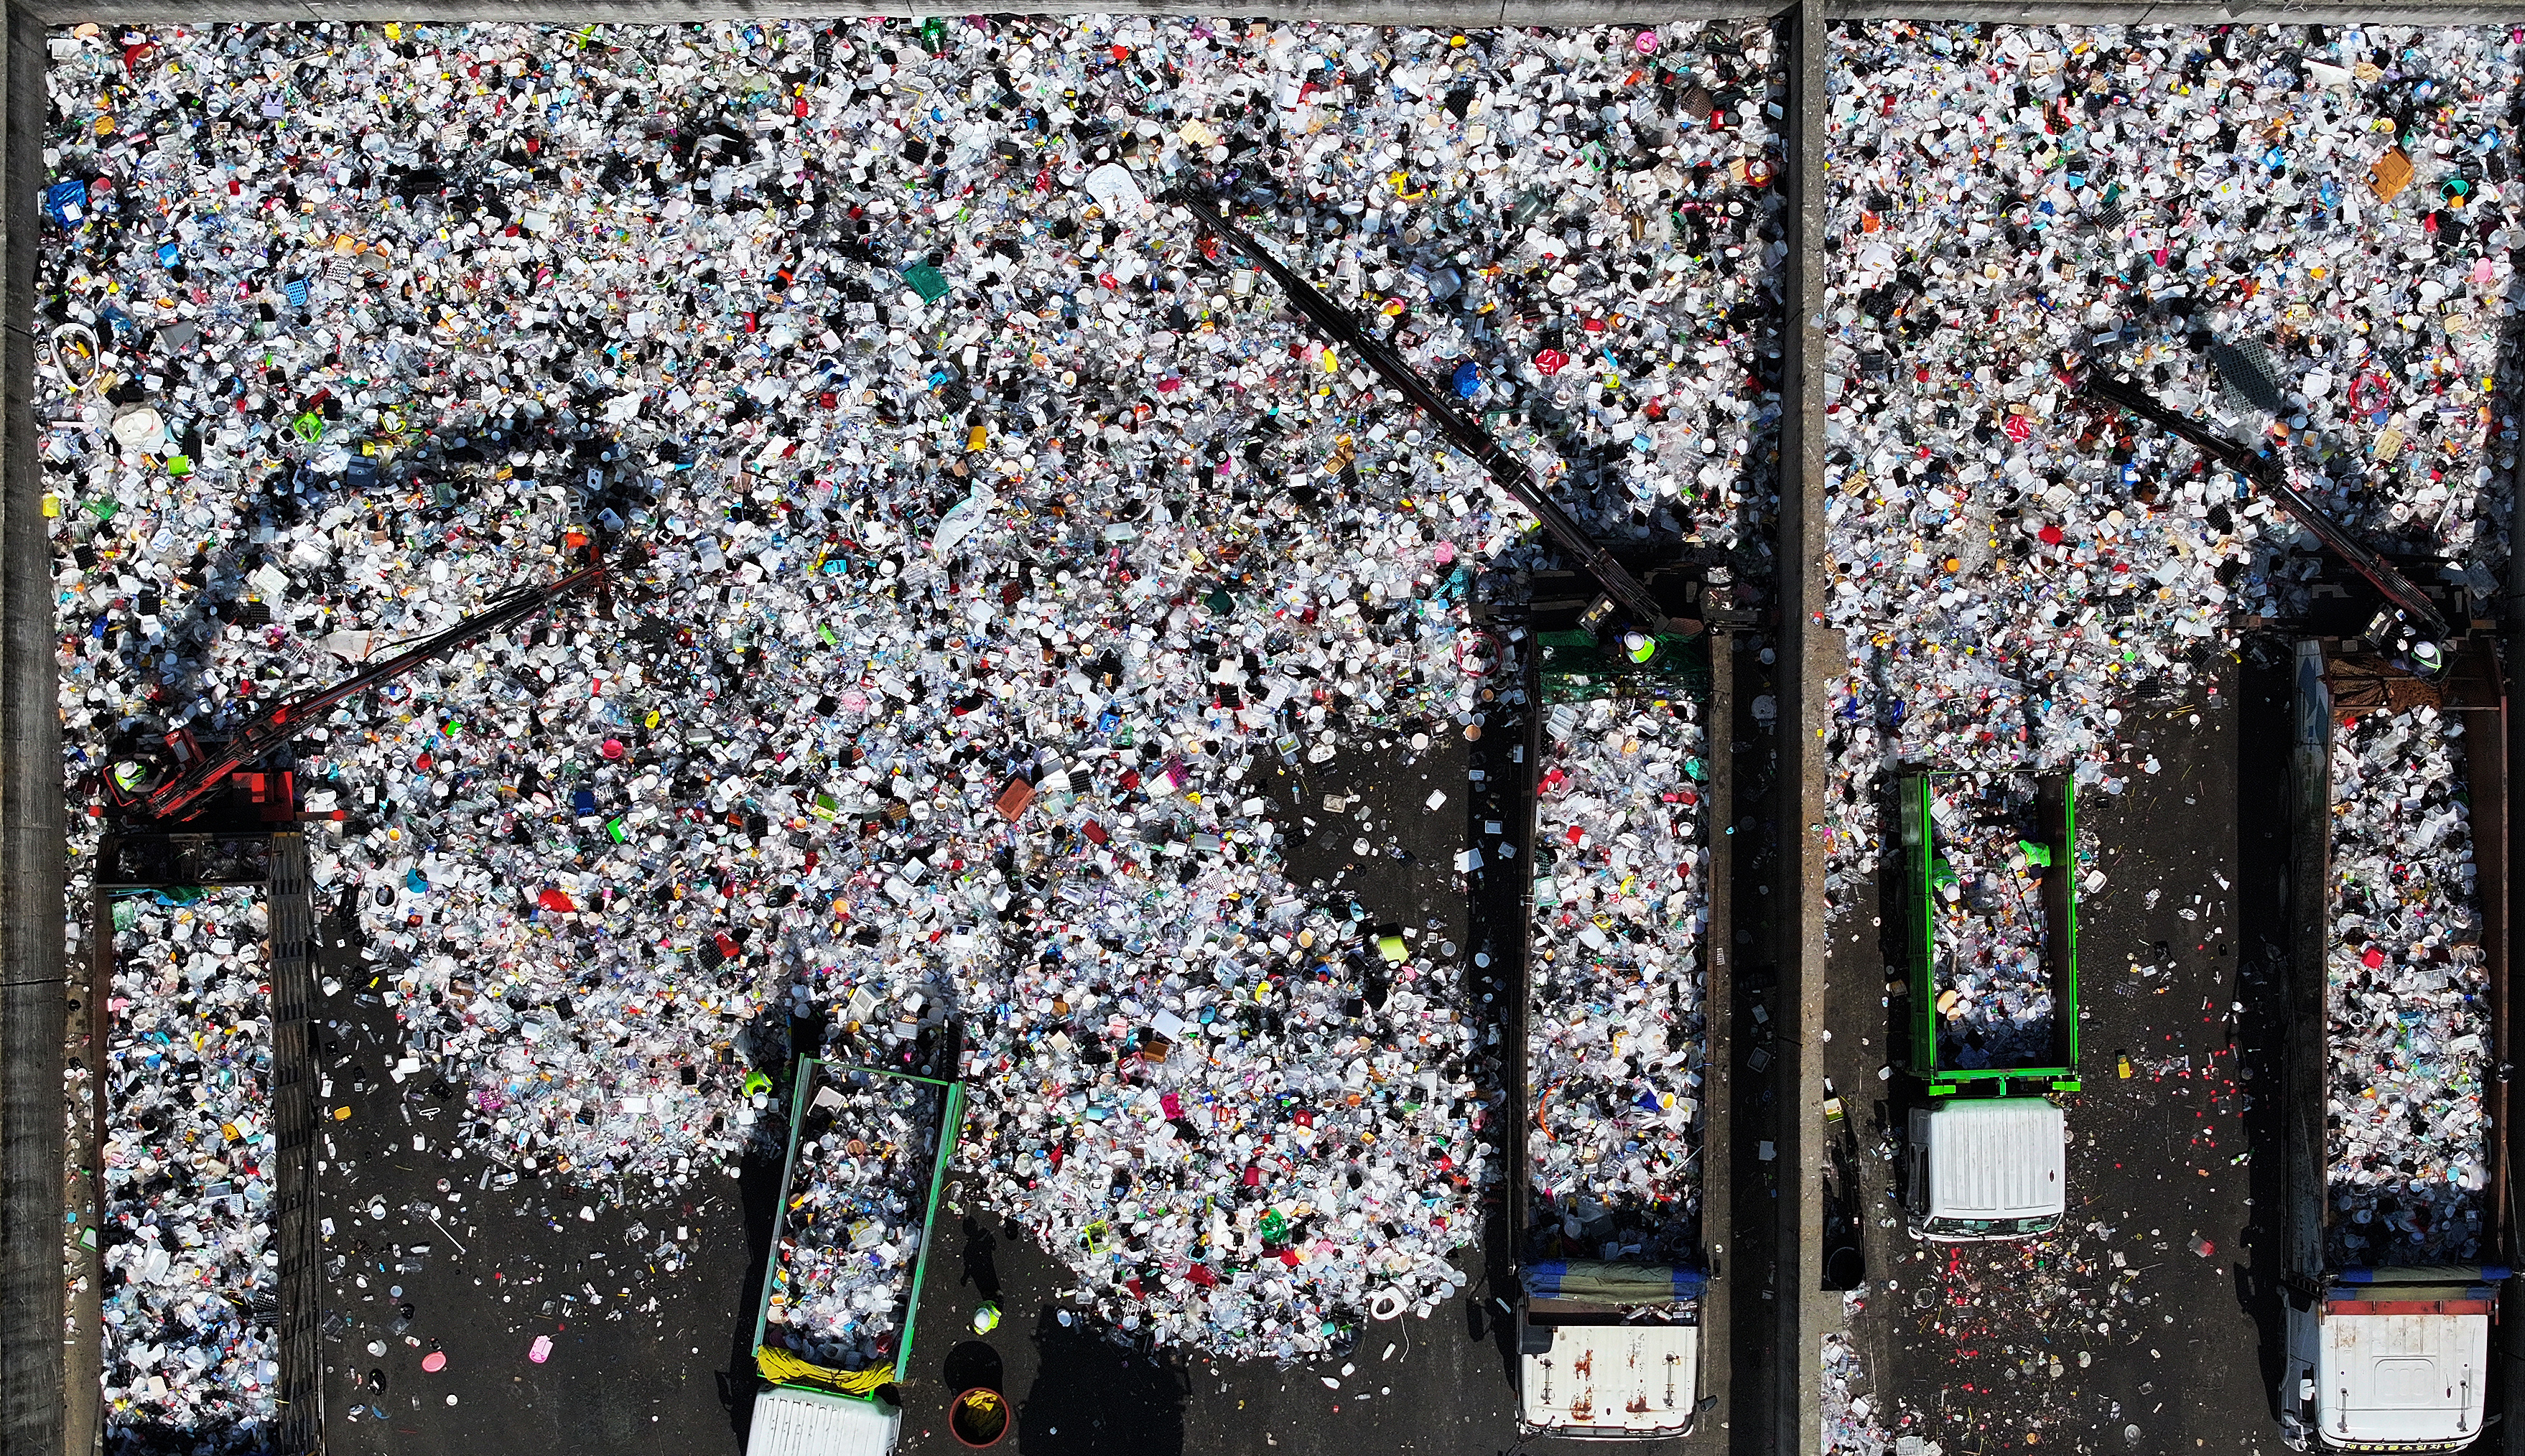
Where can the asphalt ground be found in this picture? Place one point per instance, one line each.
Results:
(2150, 1323)
(647, 1360)
(639, 1357)
(1751, 1206)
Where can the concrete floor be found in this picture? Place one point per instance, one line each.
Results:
(2148, 1324)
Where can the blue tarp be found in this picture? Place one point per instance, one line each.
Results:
(1611, 1284)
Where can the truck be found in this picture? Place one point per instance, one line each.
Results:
(2378, 1355)
(1611, 1349)
(1986, 1150)
(812, 1404)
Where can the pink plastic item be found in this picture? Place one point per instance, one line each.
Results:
(542, 1350)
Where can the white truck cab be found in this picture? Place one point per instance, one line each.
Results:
(1987, 1168)
(1609, 1351)
(2390, 1360)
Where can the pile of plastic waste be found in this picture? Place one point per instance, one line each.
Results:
(1616, 1015)
(2407, 1012)
(191, 1277)
(2292, 233)
(1986, 923)
(975, 527)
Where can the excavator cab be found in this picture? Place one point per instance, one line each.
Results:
(259, 795)
(137, 769)
(1588, 641)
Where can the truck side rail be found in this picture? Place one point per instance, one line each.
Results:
(2303, 1038)
(2485, 761)
(1919, 927)
(2057, 808)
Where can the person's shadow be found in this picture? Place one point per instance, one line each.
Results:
(973, 1365)
(982, 1259)
(1093, 1398)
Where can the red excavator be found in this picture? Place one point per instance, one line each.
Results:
(185, 788)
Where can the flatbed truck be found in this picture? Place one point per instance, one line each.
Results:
(809, 1409)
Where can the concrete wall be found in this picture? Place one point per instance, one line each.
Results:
(32, 994)
(1809, 657)
(1547, 13)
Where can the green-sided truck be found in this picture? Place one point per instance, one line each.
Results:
(809, 1409)
(1987, 1152)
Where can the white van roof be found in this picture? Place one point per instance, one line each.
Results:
(1996, 1159)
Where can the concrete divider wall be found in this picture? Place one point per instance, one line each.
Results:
(1811, 657)
(33, 997)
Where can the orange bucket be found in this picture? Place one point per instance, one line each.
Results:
(978, 1418)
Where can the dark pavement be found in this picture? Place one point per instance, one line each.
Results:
(1439, 1385)
(639, 1357)
(2147, 1325)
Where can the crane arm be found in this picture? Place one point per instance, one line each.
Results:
(277, 725)
(1468, 437)
(2267, 472)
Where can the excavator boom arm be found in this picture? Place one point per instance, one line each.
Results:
(1504, 467)
(277, 725)
(2272, 475)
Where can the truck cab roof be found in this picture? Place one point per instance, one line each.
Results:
(1612, 1380)
(1995, 1161)
(2399, 1381)
(793, 1422)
